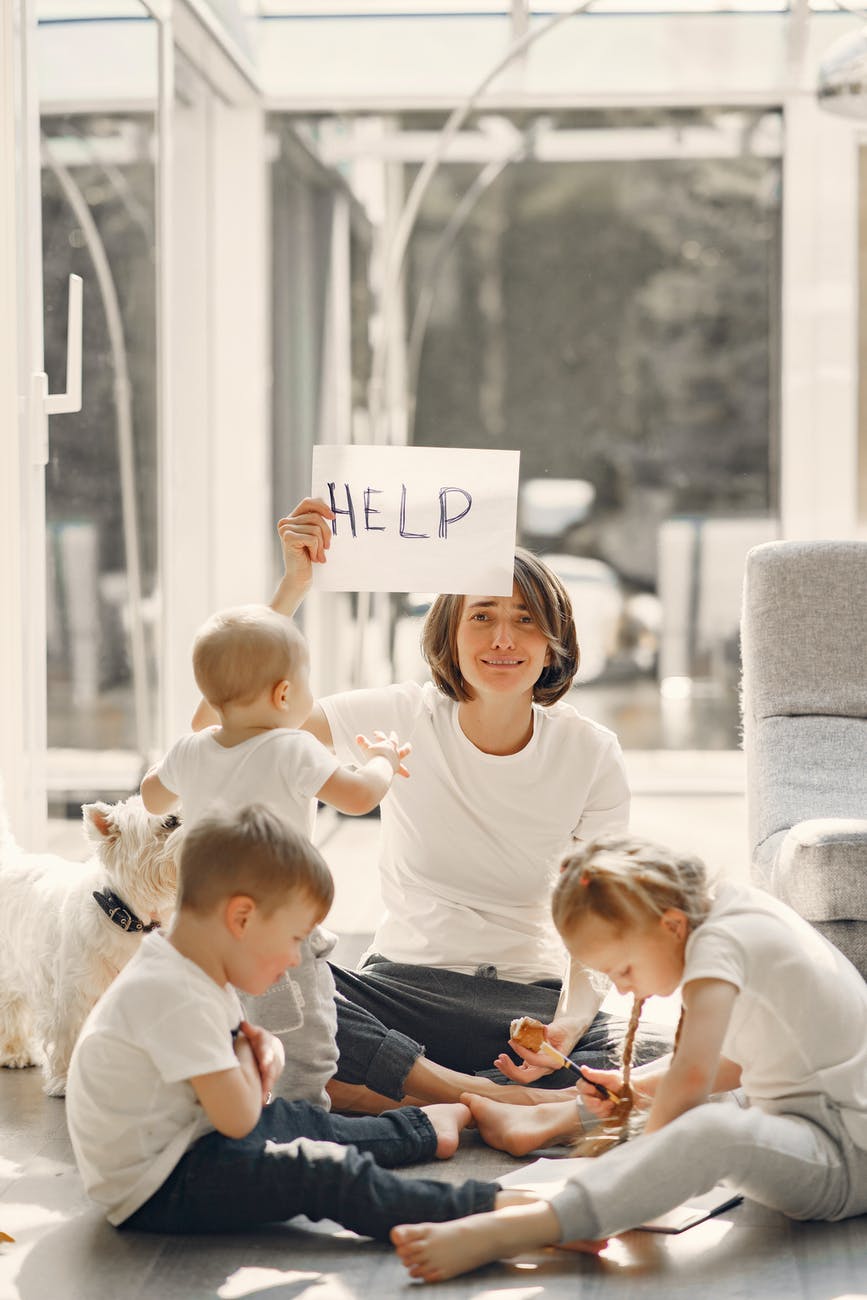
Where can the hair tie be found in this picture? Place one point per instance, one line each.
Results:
(585, 880)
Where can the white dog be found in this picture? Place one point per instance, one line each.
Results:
(67, 928)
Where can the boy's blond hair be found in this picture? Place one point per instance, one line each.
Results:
(254, 852)
(241, 652)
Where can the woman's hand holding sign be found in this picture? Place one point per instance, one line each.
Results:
(305, 536)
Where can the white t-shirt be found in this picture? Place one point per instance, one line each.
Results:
(131, 1110)
(799, 1023)
(281, 768)
(471, 842)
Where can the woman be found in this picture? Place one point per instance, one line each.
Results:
(503, 775)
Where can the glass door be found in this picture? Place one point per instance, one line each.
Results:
(98, 84)
(22, 686)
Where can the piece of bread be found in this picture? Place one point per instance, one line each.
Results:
(528, 1032)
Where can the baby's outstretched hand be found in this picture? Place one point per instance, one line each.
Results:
(388, 747)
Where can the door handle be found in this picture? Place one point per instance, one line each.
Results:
(43, 403)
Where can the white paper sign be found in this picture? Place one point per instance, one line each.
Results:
(433, 519)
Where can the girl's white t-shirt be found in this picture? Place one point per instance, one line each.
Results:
(799, 1023)
(282, 768)
(471, 842)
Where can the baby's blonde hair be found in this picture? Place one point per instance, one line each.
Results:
(627, 881)
(241, 652)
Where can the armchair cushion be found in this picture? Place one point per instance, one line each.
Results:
(821, 869)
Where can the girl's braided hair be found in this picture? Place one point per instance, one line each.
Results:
(627, 881)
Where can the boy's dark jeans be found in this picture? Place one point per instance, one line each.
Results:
(300, 1159)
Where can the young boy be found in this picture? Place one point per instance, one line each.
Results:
(252, 667)
(167, 1100)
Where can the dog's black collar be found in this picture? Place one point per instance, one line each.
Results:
(120, 915)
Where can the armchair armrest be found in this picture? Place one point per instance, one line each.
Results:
(821, 869)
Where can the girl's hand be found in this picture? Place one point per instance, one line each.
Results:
(305, 536)
(594, 1101)
(535, 1064)
(388, 747)
(269, 1054)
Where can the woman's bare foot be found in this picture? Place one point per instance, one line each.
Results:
(518, 1094)
(448, 1120)
(435, 1251)
(519, 1132)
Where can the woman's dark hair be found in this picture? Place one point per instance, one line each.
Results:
(546, 599)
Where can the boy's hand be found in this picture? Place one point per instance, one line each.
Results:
(388, 747)
(269, 1054)
(305, 536)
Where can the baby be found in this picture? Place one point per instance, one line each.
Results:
(252, 666)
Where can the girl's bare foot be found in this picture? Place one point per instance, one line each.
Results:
(519, 1132)
(435, 1251)
(448, 1119)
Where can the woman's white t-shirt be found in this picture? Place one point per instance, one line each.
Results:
(799, 1023)
(471, 842)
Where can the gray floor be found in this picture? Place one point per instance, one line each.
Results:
(64, 1251)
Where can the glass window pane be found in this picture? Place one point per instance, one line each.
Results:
(616, 319)
(101, 480)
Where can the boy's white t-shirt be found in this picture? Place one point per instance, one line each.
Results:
(799, 1023)
(471, 842)
(131, 1110)
(282, 768)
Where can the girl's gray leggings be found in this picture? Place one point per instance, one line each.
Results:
(803, 1164)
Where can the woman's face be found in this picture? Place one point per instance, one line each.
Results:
(501, 650)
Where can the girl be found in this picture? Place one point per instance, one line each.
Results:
(504, 774)
(768, 1005)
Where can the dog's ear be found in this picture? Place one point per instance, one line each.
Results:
(99, 822)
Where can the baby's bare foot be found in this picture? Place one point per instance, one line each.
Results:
(448, 1119)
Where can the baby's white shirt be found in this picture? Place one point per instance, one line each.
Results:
(282, 768)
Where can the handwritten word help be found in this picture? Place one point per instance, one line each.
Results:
(402, 523)
(361, 511)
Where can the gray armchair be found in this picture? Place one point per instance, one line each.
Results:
(804, 709)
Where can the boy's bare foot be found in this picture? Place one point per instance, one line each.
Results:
(519, 1132)
(448, 1120)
